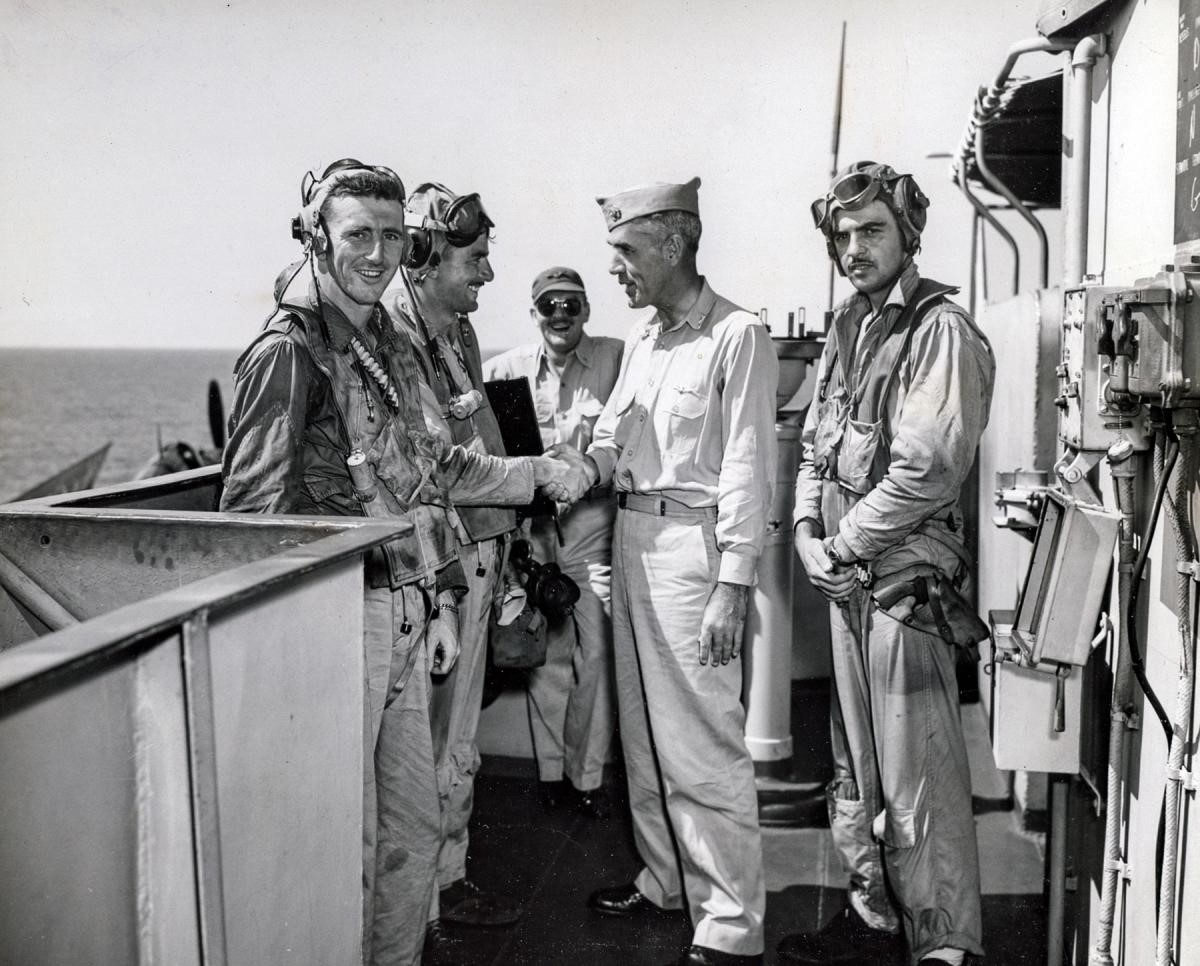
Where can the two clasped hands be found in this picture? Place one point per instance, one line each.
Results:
(565, 475)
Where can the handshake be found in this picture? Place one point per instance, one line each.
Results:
(564, 474)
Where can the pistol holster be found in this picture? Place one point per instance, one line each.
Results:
(950, 616)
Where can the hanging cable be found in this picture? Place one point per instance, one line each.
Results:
(1135, 655)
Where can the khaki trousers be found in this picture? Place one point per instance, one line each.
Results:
(902, 784)
(570, 698)
(454, 711)
(401, 823)
(691, 780)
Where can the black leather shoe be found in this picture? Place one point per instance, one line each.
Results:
(593, 804)
(704, 956)
(622, 901)
(553, 795)
(464, 904)
(441, 945)
(844, 941)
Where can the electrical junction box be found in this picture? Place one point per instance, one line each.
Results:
(1026, 708)
(1059, 605)
(1147, 339)
(1091, 418)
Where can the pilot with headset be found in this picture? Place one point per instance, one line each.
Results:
(324, 421)
(903, 390)
(448, 263)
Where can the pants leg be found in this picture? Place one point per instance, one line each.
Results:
(402, 823)
(690, 724)
(927, 826)
(570, 698)
(456, 703)
(854, 794)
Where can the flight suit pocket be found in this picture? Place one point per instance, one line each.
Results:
(396, 466)
(831, 419)
(330, 497)
(899, 827)
(860, 444)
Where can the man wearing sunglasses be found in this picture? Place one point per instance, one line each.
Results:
(323, 422)
(903, 390)
(687, 438)
(571, 374)
(444, 272)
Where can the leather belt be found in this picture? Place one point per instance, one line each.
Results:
(664, 506)
(601, 491)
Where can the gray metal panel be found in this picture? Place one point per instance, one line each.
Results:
(93, 562)
(70, 791)
(288, 747)
(1024, 333)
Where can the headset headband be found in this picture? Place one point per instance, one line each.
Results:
(315, 191)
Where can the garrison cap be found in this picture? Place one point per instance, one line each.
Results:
(649, 200)
(557, 279)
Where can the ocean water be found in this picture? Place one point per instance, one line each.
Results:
(58, 405)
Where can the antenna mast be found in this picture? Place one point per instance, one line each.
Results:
(833, 165)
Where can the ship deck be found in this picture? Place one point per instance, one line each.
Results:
(550, 862)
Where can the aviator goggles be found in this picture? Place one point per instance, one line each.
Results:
(852, 191)
(571, 305)
(464, 221)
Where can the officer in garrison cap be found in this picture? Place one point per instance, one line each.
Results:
(688, 440)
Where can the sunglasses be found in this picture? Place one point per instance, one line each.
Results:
(852, 191)
(571, 305)
(464, 221)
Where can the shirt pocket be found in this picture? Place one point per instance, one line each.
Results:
(682, 409)
(584, 413)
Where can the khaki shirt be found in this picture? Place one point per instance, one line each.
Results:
(569, 404)
(692, 418)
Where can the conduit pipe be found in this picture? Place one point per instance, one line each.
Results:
(1079, 160)
(961, 180)
(990, 99)
(1185, 547)
(33, 596)
(1056, 904)
(1123, 470)
(1018, 206)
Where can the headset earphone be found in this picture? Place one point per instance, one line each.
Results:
(900, 192)
(462, 223)
(308, 227)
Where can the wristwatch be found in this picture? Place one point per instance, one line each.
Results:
(832, 554)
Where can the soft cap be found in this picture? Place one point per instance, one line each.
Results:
(649, 200)
(557, 279)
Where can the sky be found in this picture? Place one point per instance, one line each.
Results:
(153, 150)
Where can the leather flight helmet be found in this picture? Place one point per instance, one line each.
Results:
(861, 183)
